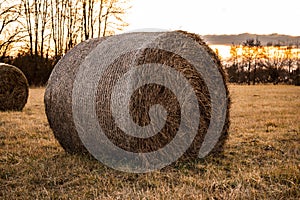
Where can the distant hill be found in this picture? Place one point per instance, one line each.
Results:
(240, 38)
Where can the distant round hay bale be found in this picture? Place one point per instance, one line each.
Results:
(13, 88)
(61, 97)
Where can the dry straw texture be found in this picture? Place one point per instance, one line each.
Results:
(58, 97)
(13, 88)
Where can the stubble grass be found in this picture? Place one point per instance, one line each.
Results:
(261, 158)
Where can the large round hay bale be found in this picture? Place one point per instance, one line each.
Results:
(13, 88)
(85, 86)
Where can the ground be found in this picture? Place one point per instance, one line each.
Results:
(261, 158)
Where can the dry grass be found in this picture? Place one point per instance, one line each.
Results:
(261, 158)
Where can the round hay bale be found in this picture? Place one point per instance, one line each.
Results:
(13, 88)
(88, 84)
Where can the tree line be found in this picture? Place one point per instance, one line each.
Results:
(35, 34)
(252, 63)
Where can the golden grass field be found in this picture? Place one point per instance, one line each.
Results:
(261, 158)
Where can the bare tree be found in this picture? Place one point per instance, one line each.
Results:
(44, 22)
(10, 33)
(113, 17)
(59, 25)
(274, 62)
(72, 24)
(36, 15)
(58, 10)
(28, 26)
(251, 54)
(99, 17)
(289, 59)
(8, 14)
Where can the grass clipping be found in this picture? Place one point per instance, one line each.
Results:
(13, 88)
(58, 95)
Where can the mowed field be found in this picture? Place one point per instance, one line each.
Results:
(261, 158)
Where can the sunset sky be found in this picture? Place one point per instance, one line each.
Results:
(217, 16)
